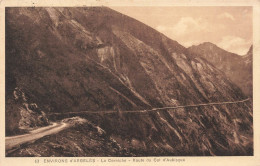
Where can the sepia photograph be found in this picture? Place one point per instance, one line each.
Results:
(128, 81)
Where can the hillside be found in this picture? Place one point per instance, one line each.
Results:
(96, 59)
(237, 68)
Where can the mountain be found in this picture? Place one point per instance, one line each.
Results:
(237, 68)
(248, 68)
(96, 59)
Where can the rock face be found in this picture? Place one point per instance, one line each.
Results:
(248, 70)
(96, 59)
(237, 68)
(22, 114)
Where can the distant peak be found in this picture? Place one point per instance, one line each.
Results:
(208, 44)
(249, 53)
(250, 49)
(204, 44)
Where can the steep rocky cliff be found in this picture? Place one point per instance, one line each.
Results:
(237, 68)
(22, 114)
(96, 59)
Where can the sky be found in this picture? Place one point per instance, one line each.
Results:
(229, 28)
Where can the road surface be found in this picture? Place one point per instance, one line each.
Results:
(172, 108)
(14, 141)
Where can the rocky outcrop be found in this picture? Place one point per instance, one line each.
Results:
(22, 115)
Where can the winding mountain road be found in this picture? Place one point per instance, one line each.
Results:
(172, 108)
(14, 141)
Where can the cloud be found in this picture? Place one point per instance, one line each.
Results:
(191, 42)
(189, 25)
(235, 44)
(161, 28)
(226, 15)
(184, 26)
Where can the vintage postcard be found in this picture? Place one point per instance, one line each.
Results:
(129, 82)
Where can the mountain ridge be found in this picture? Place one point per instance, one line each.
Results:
(237, 68)
(76, 59)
